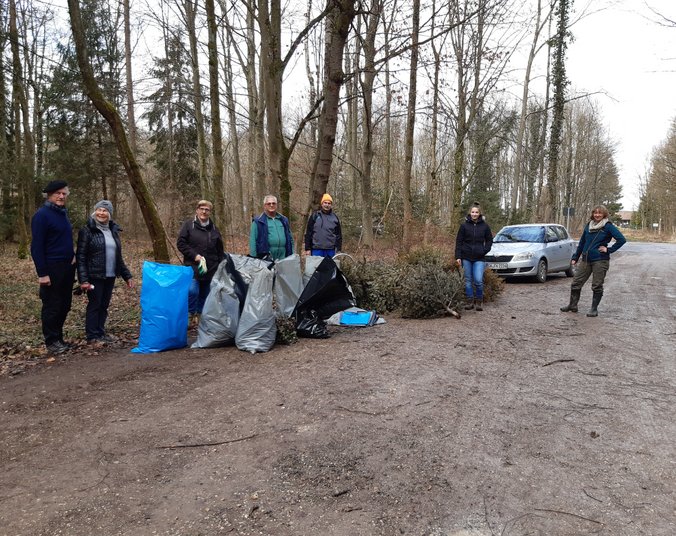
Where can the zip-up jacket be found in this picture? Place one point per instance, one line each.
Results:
(589, 243)
(323, 231)
(474, 240)
(91, 253)
(259, 240)
(195, 239)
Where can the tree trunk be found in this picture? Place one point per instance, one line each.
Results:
(271, 73)
(518, 191)
(431, 192)
(338, 27)
(559, 82)
(240, 218)
(25, 152)
(410, 129)
(131, 103)
(111, 115)
(190, 7)
(216, 134)
(367, 80)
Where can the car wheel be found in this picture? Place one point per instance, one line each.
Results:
(541, 275)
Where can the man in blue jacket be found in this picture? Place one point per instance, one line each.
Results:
(270, 233)
(54, 259)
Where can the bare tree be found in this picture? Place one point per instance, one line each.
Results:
(410, 127)
(338, 26)
(518, 187)
(111, 115)
(559, 83)
(24, 148)
(215, 105)
(190, 18)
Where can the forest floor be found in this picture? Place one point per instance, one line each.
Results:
(516, 420)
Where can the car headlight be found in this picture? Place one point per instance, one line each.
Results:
(523, 256)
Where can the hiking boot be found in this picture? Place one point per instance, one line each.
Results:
(108, 339)
(596, 299)
(57, 348)
(572, 304)
(479, 305)
(469, 304)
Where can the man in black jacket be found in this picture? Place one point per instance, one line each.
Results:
(201, 243)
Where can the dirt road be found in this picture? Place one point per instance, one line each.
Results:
(517, 420)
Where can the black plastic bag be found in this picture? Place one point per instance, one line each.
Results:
(326, 293)
(310, 326)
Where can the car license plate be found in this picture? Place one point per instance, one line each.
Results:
(497, 265)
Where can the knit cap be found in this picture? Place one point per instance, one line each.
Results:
(104, 203)
(327, 197)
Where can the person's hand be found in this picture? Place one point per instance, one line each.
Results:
(603, 249)
(44, 281)
(87, 287)
(307, 252)
(130, 283)
(202, 266)
(458, 262)
(573, 262)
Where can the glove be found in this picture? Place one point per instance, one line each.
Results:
(202, 266)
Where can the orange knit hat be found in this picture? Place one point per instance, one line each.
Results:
(327, 197)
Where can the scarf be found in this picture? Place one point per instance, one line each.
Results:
(593, 226)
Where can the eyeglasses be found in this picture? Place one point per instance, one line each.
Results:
(204, 209)
(271, 204)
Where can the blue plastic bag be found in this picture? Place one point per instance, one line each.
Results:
(164, 307)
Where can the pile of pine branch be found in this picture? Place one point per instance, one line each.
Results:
(426, 283)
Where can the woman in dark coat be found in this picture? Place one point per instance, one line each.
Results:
(473, 242)
(201, 243)
(592, 258)
(99, 263)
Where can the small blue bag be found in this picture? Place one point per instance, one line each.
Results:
(358, 318)
(164, 307)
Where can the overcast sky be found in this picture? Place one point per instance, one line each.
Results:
(623, 52)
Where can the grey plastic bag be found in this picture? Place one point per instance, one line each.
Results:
(220, 314)
(288, 284)
(311, 263)
(257, 327)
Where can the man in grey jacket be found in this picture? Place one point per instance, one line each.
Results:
(323, 236)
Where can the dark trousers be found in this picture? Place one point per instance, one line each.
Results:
(56, 300)
(97, 307)
(597, 270)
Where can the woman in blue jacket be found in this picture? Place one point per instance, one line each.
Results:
(474, 240)
(592, 258)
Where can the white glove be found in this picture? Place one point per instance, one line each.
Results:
(202, 266)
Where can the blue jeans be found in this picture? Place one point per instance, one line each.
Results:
(197, 295)
(474, 278)
(323, 252)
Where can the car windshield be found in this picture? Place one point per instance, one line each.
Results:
(520, 234)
